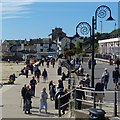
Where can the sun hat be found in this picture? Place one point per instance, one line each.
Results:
(105, 68)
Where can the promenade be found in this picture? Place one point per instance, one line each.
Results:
(11, 97)
(11, 94)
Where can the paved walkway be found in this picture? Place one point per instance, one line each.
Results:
(11, 97)
(11, 94)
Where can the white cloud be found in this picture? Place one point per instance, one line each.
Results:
(9, 17)
(16, 8)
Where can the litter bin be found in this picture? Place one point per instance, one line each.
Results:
(96, 114)
(59, 71)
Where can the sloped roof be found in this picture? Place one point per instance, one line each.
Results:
(13, 42)
(39, 41)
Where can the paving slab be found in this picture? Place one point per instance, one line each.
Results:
(11, 97)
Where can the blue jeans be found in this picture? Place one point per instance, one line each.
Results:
(115, 80)
(43, 104)
(105, 84)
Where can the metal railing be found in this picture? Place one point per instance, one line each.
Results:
(68, 103)
(109, 104)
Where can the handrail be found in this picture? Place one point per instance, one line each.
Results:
(90, 95)
(67, 103)
(98, 103)
(111, 91)
(67, 93)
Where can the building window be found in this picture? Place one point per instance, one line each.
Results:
(41, 50)
(41, 44)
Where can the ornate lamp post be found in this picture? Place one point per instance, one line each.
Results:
(84, 28)
(100, 12)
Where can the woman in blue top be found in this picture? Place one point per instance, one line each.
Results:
(43, 100)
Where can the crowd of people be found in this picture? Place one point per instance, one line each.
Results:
(102, 84)
(34, 69)
(28, 91)
(58, 90)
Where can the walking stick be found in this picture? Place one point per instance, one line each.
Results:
(21, 102)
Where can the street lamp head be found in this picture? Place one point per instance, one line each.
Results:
(101, 12)
(84, 28)
(110, 18)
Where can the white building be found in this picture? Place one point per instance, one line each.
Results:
(44, 47)
(65, 43)
(110, 46)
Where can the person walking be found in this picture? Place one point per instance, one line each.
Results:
(32, 84)
(38, 74)
(22, 72)
(63, 76)
(43, 100)
(47, 63)
(45, 75)
(116, 75)
(23, 93)
(31, 68)
(79, 95)
(59, 92)
(26, 71)
(53, 62)
(28, 101)
(42, 61)
(99, 87)
(105, 77)
(89, 63)
(35, 67)
(52, 90)
(64, 100)
(117, 62)
(60, 84)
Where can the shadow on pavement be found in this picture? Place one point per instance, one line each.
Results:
(35, 108)
(43, 114)
(10, 84)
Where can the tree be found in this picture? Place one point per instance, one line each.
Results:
(79, 47)
(115, 33)
(72, 45)
(70, 52)
(98, 36)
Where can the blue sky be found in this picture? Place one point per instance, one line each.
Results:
(36, 19)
